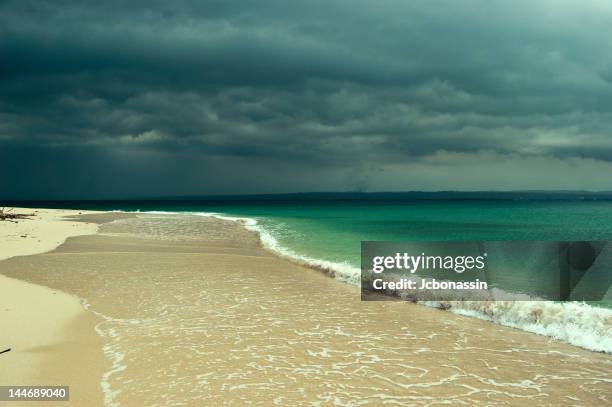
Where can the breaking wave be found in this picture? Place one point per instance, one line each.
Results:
(576, 323)
(341, 271)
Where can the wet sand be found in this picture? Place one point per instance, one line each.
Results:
(193, 311)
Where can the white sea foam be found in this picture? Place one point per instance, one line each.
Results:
(341, 271)
(150, 212)
(576, 323)
(112, 350)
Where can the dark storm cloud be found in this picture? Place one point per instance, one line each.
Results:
(321, 89)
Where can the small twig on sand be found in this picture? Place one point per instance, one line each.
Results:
(6, 214)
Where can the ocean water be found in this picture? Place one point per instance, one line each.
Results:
(327, 234)
(332, 230)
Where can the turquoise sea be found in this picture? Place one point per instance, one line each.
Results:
(334, 230)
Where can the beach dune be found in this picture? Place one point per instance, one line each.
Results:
(186, 310)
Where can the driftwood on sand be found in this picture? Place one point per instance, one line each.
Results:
(8, 215)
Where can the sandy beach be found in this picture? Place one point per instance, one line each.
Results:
(50, 334)
(161, 310)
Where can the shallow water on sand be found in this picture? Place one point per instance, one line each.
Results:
(194, 312)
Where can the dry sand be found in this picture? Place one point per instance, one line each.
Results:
(51, 335)
(192, 311)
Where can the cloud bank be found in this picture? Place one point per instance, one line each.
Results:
(101, 100)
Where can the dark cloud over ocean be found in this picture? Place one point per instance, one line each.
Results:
(104, 99)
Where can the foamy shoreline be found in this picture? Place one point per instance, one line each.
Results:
(577, 324)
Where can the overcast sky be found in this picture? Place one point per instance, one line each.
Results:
(101, 99)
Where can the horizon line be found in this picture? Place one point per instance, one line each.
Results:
(314, 194)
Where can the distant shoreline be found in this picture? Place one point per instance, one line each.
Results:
(536, 195)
